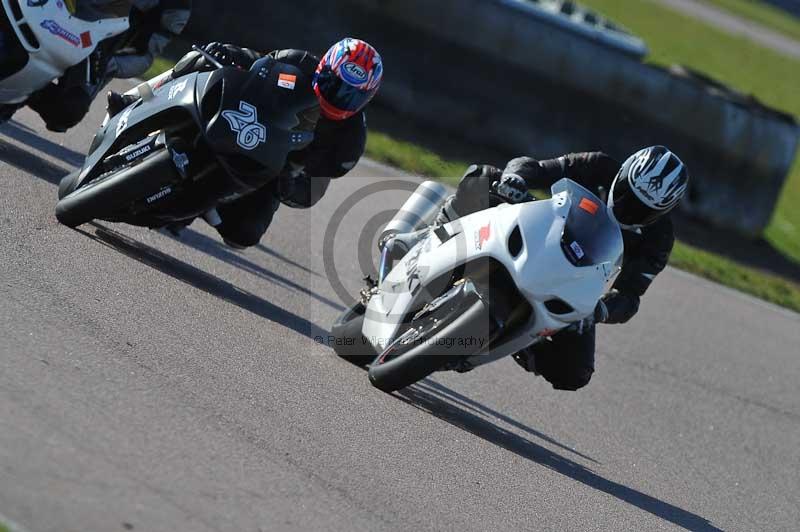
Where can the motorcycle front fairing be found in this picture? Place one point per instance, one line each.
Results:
(54, 39)
(171, 105)
(539, 267)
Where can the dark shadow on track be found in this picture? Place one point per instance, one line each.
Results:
(287, 260)
(434, 400)
(25, 135)
(218, 250)
(31, 163)
(202, 280)
(446, 394)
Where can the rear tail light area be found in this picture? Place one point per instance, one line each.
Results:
(27, 33)
(18, 20)
(16, 10)
(14, 56)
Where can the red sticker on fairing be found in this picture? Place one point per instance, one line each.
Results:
(483, 235)
(86, 39)
(589, 206)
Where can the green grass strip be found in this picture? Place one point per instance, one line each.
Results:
(413, 159)
(159, 66)
(762, 13)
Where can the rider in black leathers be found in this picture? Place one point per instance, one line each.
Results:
(153, 24)
(567, 360)
(339, 141)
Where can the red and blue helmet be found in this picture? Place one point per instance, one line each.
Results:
(347, 78)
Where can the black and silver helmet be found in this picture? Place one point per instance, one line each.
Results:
(649, 185)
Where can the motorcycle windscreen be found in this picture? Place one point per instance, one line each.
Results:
(92, 10)
(591, 237)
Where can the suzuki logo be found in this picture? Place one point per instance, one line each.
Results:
(244, 122)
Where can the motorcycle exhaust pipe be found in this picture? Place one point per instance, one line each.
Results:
(419, 210)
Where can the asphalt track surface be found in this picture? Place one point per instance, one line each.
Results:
(151, 383)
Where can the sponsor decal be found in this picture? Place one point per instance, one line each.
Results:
(577, 250)
(176, 89)
(244, 122)
(37, 3)
(354, 74)
(589, 206)
(160, 194)
(86, 39)
(53, 27)
(181, 161)
(123, 120)
(287, 81)
(412, 272)
(483, 235)
(138, 153)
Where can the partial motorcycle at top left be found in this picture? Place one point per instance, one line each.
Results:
(188, 144)
(41, 40)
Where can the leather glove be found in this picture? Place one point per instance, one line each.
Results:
(228, 54)
(600, 315)
(600, 312)
(620, 307)
(512, 188)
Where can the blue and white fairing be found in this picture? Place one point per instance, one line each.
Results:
(54, 40)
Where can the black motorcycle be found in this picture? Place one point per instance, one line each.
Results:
(191, 143)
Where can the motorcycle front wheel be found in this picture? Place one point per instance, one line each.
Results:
(459, 327)
(115, 190)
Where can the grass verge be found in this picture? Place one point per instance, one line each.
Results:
(418, 160)
(764, 14)
(771, 77)
(413, 159)
(159, 66)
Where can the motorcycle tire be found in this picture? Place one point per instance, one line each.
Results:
(405, 362)
(112, 192)
(349, 343)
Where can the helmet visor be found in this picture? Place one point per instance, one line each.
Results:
(341, 94)
(628, 208)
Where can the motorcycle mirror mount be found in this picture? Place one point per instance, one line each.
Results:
(208, 57)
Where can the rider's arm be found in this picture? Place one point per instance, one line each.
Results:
(650, 259)
(590, 169)
(305, 61)
(225, 54)
(337, 147)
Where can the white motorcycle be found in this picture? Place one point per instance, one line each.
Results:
(481, 287)
(41, 39)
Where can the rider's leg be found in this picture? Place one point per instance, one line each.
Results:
(566, 361)
(245, 220)
(7, 110)
(60, 107)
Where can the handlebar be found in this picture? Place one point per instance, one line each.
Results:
(208, 57)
